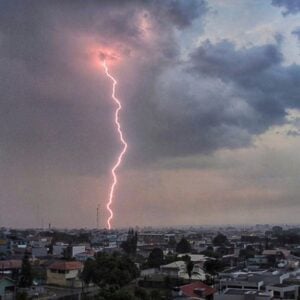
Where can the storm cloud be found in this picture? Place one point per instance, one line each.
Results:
(266, 87)
(220, 98)
(184, 97)
(297, 32)
(55, 113)
(291, 6)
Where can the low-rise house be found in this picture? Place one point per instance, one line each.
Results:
(151, 238)
(7, 288)
(10, 268)
(242, 294)
(246, 281)
(84, 256)
(65, 273)
(40, 242)
(253, 281)
(173, 269)
(72, 250)
(230, 259)
(196, 258)
(17, 244)
(58, 249)
(110, 249)
(284, 291)
(148, 272)
(293, 264)
(200, 246)
(121, 238)
(39, 251)
(257, 260)
(197, 273)
(178, 269)
(4, 246)
(195, 290)
(272, 277)
(277, 253)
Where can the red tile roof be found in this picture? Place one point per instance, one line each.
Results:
(188, 289)
(10, 264)
(66, 265)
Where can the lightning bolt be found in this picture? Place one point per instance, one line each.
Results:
(122, 153)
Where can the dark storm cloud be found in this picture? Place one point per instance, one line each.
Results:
(53, 114)
(293, 133)
(186, 124)
(56, 115)
(291, 6)
(258, 76)
(223, 60)
(297, 32)
(221, 100)
(57, 136)
(180, 13)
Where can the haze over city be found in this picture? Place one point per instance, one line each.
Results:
(210, 95)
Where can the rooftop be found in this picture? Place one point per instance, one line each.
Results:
(189, 289)
(243, 292)
(175, 265)
(66, 265)
(10, 264)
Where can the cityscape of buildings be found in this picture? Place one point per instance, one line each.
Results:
(259, 262)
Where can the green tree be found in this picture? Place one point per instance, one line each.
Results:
(21, 296)
(220, 240)
(110, 294)
(189, 268)
(156, 258)
(248, 252)
(155, 295)
(110, 270)
(209, 252)
(168, 281)
(188, 264)
(183, 246)
(121, 295)
(172, 243)
(39, 273)
(213, 266)
(88, 272)
(277, 229)
(26, 272)
(209, 280)
(169, 258)
(130, 245)
(141, 294)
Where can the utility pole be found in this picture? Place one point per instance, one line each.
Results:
(98, 216)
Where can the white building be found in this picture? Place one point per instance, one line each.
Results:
(242, 294)
(65, 273)
(178, 269)
(284, 291)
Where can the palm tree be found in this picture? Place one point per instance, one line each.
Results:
(189, 268)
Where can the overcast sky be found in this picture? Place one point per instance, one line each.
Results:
(211, 98)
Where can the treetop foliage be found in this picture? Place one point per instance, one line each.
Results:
(183, 246)
(109, 270)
